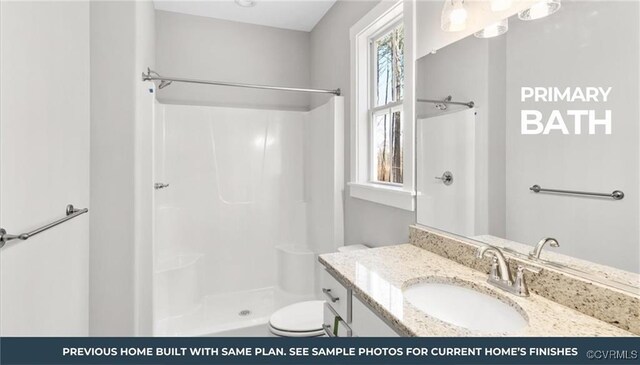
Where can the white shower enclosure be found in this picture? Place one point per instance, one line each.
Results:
(251, 197)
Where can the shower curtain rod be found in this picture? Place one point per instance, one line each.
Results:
(469, 104)
(166, 81)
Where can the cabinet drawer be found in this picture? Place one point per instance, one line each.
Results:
(365, 323)
(336, 295)
(333, 324)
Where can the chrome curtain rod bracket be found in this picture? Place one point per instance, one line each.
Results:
(70, 211)
(447, 100)
(166, 81)
(615, 195)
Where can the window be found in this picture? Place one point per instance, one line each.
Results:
(382, 107)
(388, 51)
(387, 147)
(386, 110)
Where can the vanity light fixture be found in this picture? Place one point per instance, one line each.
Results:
(540, 9)
(500, 5)
(494, 30)
(246, 3)
(454, 16)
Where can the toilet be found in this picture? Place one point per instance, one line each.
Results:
(303, 319)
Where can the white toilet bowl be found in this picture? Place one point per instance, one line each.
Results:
(303, 319)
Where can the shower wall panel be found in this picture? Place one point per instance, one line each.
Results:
(235, 192)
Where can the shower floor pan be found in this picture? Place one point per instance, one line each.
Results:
(228, 312)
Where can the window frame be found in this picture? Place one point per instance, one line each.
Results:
(363, 183)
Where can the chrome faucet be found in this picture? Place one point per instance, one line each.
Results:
(535, 254)
(500, 275)
(499, 267)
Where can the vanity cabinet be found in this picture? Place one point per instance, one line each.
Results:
(336, 295)
(365, 323)
(346, 316)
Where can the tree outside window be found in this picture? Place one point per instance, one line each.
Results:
(386, 116)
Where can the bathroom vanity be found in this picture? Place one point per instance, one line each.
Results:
(408, 290)
(345, 315)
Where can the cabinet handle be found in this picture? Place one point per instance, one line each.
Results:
(327, 330)
(327, 292)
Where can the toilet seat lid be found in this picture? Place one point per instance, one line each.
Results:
(280, 333)
(299, 317)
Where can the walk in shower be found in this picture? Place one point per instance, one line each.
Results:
(245, 199)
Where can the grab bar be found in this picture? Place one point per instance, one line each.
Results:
(71, 213)
(616, 194)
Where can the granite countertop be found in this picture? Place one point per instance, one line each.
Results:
(378, 277)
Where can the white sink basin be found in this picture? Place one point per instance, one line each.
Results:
(464, 307)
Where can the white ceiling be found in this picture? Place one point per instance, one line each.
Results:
(292, 14)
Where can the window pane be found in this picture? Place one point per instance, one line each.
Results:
(387, 147)
(389, 60)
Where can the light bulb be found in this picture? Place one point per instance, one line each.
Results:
(454, 16)
(494, 30)
(458, 16)
(500, 5)
(540, 10)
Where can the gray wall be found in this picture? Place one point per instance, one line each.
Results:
(44, 148)
(112, 193)
(496, 138)
(205, 48)
(120, 232)
(365, 222)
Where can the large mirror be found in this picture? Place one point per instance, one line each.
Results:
(556, 118)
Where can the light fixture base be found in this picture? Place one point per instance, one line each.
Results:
(540, 10)
(246, 3)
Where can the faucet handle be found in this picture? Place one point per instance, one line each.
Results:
(520, 286)
(494, 268)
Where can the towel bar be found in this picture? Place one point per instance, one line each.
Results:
(616, 194)
(70, 211)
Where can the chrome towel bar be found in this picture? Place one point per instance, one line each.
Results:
(71, 213)
(615, 195)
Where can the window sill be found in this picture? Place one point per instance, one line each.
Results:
(394, 196)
